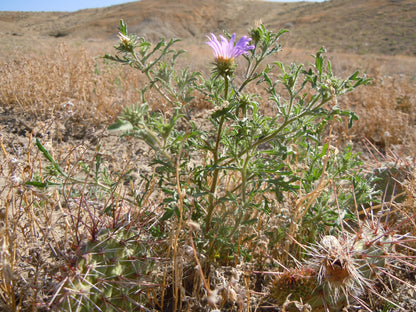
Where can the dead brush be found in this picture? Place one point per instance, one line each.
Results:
(58, 210)
(44, 85)
(29, 236)
(396, 180)
(409, 205)
(386, 109)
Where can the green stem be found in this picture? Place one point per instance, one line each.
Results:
(251, 72)
(243, 194)
(290, 103)
(213, 188)
(249, 76)
(244, 179)
(225, 87)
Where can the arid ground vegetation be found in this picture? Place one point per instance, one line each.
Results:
(94, 220)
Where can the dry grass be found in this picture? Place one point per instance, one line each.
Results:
(387, 111)
(67, 84)
(43, 231)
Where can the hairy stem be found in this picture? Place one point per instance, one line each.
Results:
(243, 194)
(213, 188)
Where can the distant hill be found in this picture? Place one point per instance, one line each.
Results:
(355, 26)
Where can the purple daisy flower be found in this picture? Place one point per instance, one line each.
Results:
(225, 50)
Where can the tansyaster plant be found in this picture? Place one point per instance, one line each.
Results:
(226, 51)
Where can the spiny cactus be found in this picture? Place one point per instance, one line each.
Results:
(339, 269)
(298, 283)
(111, 274)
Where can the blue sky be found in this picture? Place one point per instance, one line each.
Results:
(55, 5)
(66, 5)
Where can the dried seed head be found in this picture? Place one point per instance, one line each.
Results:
(126, 41)
(194, 226)
(212, 297)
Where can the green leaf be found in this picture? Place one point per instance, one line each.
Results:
(49, 157)
(329, 68)
(97, 161)
(167, 215)
(41, 184)
(109, 210)
(121, 125)
(353, 117)
(250, 221)
(354, 76)
(220, 113)
(319, 60)
(123, 27)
